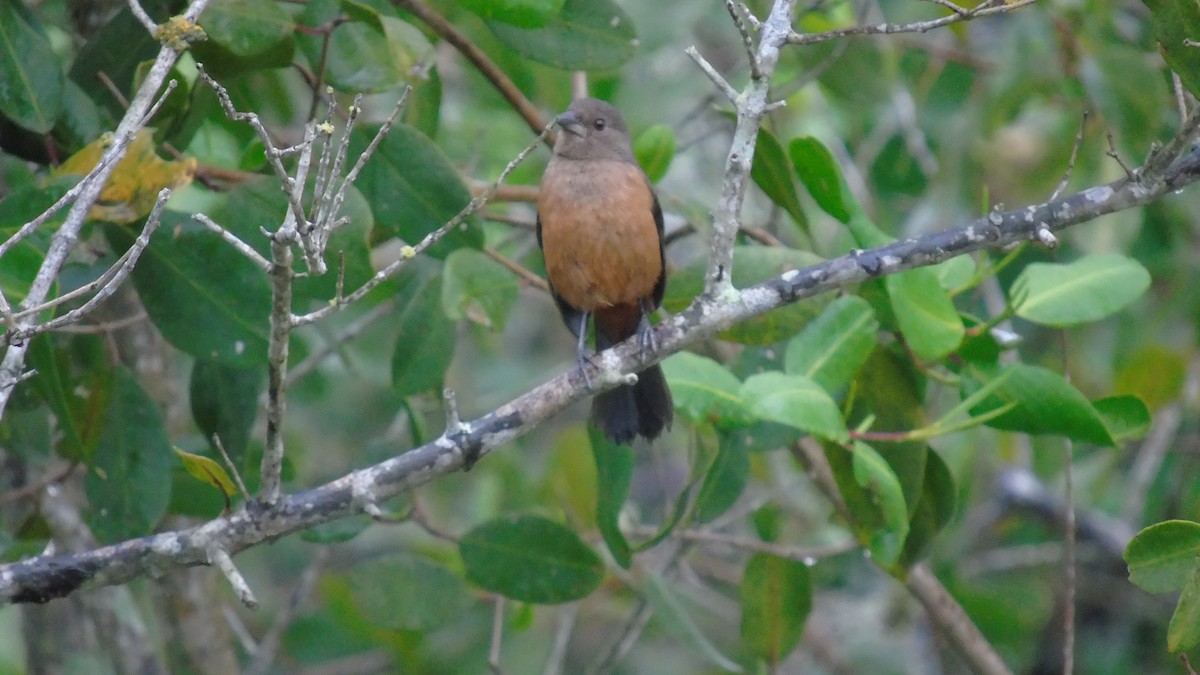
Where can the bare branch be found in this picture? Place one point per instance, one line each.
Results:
(220, 557)
(233, 240)
(108, 283)
(959, 14)
(88, 191)
(722, 85)
(143, 18)
(430, 239)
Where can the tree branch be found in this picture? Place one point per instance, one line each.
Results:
(459, 40)
(13, 364)
(42, 578)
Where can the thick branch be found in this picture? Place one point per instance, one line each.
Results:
(42, 578)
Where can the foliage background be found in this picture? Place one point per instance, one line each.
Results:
(928, 129)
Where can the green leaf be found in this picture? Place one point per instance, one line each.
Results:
(1126, 417)
(795, 401)
(1153, 373)
(407, 592)
(1089, 289)
(891, 392)
(751, 265)
(1184, 630)
(724, 483)
(925, 314)
(520, 13)
(1163, 557)
(834, 346)
(530, 559)
(586, 35)
(865, 232)
(704, 391)
(245, 35)
(776, 597)
(873, 473)
(425, 344)
(614, 475)
(413, 190)
(478, 288)
(934, 509)
(1176, 21)
(1046, 404)
(819, 173)
(207, 471)
(128, 485)
(956, 273)
(654, 149)
(373, 52)
(203, 296)
(224, 403)
(772, 172)
(678, 621)
(31, 77)
(78, 403)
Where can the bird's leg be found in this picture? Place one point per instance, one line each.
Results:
(581, 356)
(645, 331)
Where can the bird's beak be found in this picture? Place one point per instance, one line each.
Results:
(570, 123)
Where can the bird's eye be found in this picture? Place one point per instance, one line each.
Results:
(598, 124)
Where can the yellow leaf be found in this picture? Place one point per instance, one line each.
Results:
(136, 181)
(207, 471)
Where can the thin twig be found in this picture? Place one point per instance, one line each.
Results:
(1112, 152)
(497, 636)
(952, 621)
(1180, 96)
(350, 332)
(1062, 185)
(31, 490)
(490, 71)
(220, 557)
(143, 18)
(962, 14)
(233, 240)
(564, 626)
(514, 267)
(798, 553)
(123, 268)
(1069, 571)
(747, 38)
(430, 239)
(233, 469)
(722, 85)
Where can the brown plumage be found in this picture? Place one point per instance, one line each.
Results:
(600, 229)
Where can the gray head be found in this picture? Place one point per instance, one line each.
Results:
(593, 129)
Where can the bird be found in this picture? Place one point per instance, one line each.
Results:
(600, 229)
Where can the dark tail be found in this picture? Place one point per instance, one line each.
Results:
(631, 410)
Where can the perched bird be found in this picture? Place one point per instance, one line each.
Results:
(601, 231)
